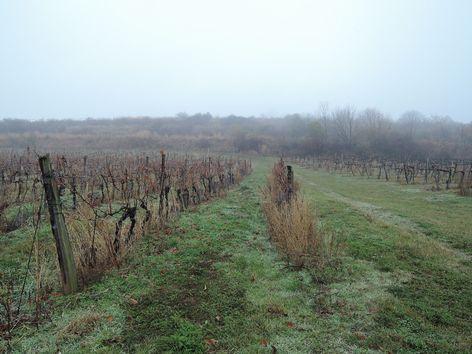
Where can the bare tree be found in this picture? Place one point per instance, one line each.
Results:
(411, 121)
(343, 120)
(324, 118)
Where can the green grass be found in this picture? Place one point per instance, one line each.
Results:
(216, 284)
(419, 248)
(444, 216)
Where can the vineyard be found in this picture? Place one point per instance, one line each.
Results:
(454, 175)
(180, 253)
(99, 206)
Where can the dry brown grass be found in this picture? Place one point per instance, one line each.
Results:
(80, 326)
(292, 230)
(293, 226)
(92, 241)
(277, 183)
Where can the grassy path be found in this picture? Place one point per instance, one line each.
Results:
(443, 216)
(384, 215)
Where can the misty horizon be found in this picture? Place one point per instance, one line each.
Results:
(304, 115)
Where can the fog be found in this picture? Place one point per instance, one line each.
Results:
(125, 58)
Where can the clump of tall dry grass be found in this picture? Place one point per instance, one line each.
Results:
(292, 224)
(278, 185)
(94, 242)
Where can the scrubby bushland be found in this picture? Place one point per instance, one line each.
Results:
(292, 224)
(367, 133)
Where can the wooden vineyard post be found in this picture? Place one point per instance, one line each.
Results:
(161, 186)
(290, 182)
(84, 175)
(427, 171)
(58, 226)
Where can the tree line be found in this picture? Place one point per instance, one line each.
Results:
(365, 133)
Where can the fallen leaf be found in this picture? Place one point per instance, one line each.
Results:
(290, 324)
(253, 278)
(211, 341)
(264, 342)
(133, 301)
(110, 318)
(360, 336)
(174, 250)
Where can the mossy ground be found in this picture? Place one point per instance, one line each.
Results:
(215, 284)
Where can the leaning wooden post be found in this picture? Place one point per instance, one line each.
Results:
(58, 226)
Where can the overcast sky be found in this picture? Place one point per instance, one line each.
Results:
(97, 58)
